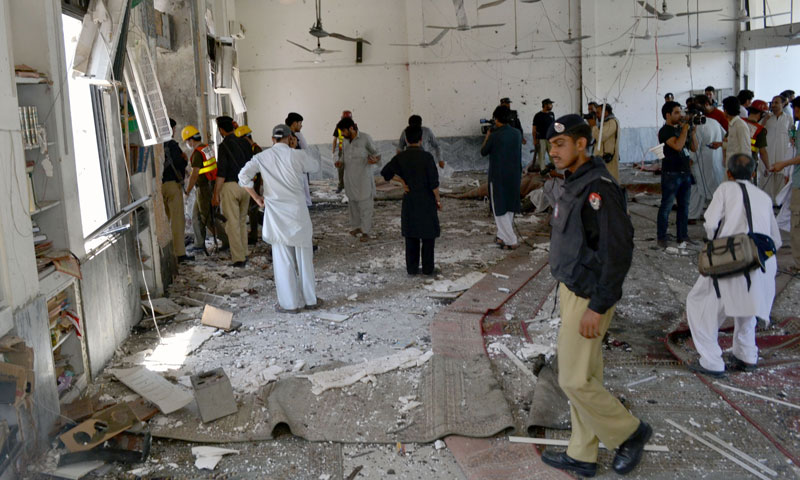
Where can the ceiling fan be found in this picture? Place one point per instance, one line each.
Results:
(498, 2)
(570, 39)
(664, 15)
(618, 53)
(423, 44)
(316, 30)
(517, 51)
(742, 16)
(463, 23)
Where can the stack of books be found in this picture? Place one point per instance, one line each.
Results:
(43, 248)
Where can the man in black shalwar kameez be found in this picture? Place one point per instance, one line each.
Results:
(416, 169)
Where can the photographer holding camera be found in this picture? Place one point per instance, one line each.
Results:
(676, 179)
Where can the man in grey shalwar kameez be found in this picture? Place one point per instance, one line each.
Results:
(359, 154)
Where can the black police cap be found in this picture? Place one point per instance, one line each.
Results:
(564, 124)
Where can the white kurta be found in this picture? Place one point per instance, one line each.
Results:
(704, 311)
(779, 145)
(286, 218)
(708, 166)
(359, 179)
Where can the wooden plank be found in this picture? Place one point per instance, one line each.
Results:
(762, 397)
(743, 455)
(516, 360)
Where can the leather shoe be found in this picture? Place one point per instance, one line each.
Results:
(629, 454)
(562, 461)
(697, 368)
(740, 365)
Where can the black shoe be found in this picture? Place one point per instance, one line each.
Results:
(280, 309)
(240, 264)
(185, 258)
(562, 461)
(741, 365)
(697, 368)
(629, 454)
(319, 303)
(252, 241)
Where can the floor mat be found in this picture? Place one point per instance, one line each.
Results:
(498, 459)
(778, 377)
(457, 396)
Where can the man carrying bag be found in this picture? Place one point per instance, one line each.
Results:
(737, 268)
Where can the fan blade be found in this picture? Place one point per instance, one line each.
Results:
(518, 52)
(649, 8)
(487, 25)
(405, 44)
(441, 27)
(438, 37)
(346, 38)
(298, 45)
(322, 50)
(491, 4)
(461, 13)
(683, 14)
(645, 37)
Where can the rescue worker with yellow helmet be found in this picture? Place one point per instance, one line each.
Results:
(255, 216)
(204, 172)
(172, 179)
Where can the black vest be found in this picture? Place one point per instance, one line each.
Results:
(572, 262)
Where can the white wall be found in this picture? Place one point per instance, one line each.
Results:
(461, 79)
(763, 65)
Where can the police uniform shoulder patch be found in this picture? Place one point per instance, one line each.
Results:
(595, 200)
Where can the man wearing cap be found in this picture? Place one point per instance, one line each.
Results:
(504, 148)
(287, 224)
(338, 140)
(233, 153)
(591, 248)
(514, 119)
(172, 193)
(359, 154)
(541, 123)
(204, 173)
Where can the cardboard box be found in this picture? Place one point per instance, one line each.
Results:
(214, 395)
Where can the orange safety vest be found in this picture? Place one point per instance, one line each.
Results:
(755, 130)
(209, 162)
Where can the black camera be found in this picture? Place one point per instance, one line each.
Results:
(695, 116)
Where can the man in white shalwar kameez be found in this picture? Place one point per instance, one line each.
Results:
(779, 147)
(704, 311)
(287, 223)
(708, 166)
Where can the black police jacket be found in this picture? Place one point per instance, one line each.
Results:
(591, 243)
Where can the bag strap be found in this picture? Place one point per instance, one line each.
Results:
(747, 208)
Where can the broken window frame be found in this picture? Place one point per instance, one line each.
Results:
(147, 100)
(100, 39)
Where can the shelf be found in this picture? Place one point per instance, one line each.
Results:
(63, 339)
(53, 282)
(30, 81)
(44, 206)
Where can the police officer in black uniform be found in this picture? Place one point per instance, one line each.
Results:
(591, 248)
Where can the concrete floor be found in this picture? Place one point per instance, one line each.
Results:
(390, 310)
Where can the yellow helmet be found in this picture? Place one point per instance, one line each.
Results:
(242, 131)
(188, 132)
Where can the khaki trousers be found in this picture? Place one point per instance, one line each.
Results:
(795, 238)
(613, 167)
(234, 201)
(173, 205)
(597, 416)
(542, 153)
(201, 218)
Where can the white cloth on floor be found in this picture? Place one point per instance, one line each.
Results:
(294, 276)
(704, 311)
(286, 218)
(708, 168)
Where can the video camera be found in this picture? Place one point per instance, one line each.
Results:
(487, 125)
(695, 116)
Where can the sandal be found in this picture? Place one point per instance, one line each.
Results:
(498, 241)
(511, 247)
